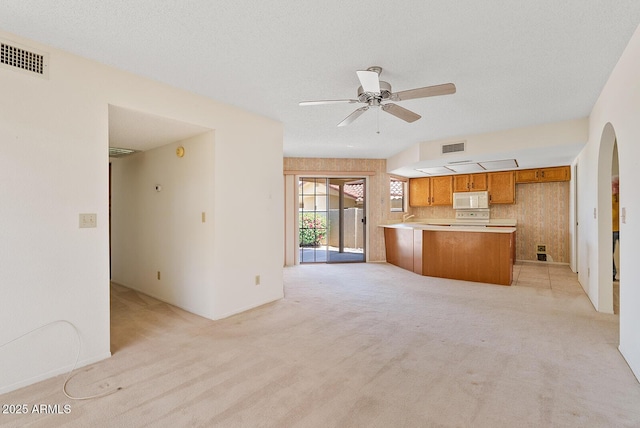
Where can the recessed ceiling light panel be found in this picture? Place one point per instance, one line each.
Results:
(438, 170)
(465, 167)
(500, 164)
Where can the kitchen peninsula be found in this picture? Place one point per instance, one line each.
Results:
(470, 253)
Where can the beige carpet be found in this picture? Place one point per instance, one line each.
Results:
(360, 345)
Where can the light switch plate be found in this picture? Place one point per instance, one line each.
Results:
(88, 220)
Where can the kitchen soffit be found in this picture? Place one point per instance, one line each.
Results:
(469, 167)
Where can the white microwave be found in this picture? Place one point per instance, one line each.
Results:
(470, 200)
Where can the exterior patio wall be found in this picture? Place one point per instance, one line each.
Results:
(352, 228)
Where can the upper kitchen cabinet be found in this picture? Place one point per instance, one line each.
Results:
(442, 190)
(470, 182)
(541, 175)
(420, 192)
(430, 191)
(502, 187)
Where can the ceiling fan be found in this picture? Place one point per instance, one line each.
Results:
(373, 92)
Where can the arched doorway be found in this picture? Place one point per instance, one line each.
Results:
(604, 215)
(615, 185)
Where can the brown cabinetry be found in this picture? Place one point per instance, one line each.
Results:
(502, 187)
(455, 255)
(404, 248)
(470, 182)
(442, 190)
(430, 191)
(541, 175)
(420, 192)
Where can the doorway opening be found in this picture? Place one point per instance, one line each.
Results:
(157, 246)
(615, 214)
(331, 220)
(605, 215)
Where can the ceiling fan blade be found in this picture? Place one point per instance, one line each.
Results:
(401, 112)
(429, 91)
(369, 80)
(319, 102)
(353, 116)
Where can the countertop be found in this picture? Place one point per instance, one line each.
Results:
(451, 225)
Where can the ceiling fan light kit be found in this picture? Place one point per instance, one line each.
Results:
(376, 93)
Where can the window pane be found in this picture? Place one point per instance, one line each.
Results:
(396, 194)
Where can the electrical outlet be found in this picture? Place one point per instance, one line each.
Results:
(158, 275)
(88, 220)
(257, 279)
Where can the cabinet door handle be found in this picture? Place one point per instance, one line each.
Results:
(536, 175)
(542, 174)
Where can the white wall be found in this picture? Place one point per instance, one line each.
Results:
(54, 165)
(615, 115)
(248, 241)
(527, 145)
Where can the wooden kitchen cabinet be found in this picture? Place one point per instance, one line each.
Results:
(470, 182)
(502, 187)
(453, 254)
(420, 192)
(403, 248)
(542, 175)
(478, 182)
(431, 191)
(442, 190)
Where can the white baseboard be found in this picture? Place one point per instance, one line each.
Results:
(51, 373)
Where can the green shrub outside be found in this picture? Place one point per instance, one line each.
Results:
(313, 229)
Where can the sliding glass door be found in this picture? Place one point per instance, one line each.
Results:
(331, 220)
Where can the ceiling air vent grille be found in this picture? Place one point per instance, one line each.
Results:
(14, 57)
(453, 147)
(117, 152)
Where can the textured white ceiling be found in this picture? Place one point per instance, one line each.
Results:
(515, 63)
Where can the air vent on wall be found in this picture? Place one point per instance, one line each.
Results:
(117, 152)
(26, 60)
(453, 147)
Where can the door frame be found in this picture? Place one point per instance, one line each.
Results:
(291, 250)
(341, 226)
